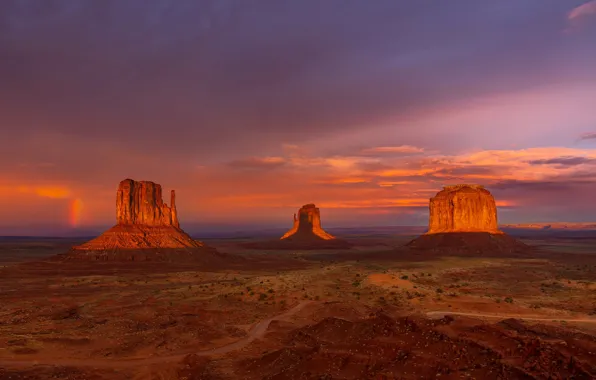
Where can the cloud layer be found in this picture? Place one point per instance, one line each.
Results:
(251, 109)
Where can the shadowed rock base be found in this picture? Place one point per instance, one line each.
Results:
(183, 255)
(310, 243)
(472, 242)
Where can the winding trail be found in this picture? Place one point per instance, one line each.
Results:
(441, 314)
(256, 332)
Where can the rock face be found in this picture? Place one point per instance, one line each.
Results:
(141, 203)
(463, 208)
(144, 222)
(463, 219)
(307, 225)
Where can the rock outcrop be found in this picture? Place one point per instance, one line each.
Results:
(141, 203)
(143, 222)
(463, 208)
(307, 224)
(305, 234)
(463, 218)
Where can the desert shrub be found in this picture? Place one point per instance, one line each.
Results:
(262, 296)
(509, 300)
(404, 277)
(439, 290)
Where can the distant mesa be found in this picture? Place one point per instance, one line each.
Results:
(307, 225)
(306, 233)
(144, 223)
(465, 217)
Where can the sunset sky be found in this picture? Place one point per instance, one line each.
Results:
(250, 109)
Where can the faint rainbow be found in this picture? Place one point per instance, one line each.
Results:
(76, 207)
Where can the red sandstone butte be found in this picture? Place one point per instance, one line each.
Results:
(144, 221)
(463, 208)
(141, 203)
(464, 218)
(307, 225)
(305, 234)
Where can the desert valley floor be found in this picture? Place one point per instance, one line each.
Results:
(375, 311)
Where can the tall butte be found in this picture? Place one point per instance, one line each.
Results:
(143, 222)
(307, 225)
(464, 217)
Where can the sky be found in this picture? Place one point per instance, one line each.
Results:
(250, 109)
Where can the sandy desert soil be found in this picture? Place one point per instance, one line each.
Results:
(375, 311)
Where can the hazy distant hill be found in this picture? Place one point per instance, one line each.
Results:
(554, 226)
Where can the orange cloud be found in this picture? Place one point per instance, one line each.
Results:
(409, 183)
(392, 182)
(258, 162)
(377, 203)
(405, 172)
(393, 149)
(395, 183)
(42, 191)
(342, 180)
(52, 192)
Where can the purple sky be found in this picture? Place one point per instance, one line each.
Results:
(250, 109)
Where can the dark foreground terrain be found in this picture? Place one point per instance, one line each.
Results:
(375, 311)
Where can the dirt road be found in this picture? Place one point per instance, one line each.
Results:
(441, 314)
(256, 332)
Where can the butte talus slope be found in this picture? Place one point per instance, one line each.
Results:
(464, 217)
(145, 224)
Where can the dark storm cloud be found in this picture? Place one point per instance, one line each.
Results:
(195, 78)
(563, 161)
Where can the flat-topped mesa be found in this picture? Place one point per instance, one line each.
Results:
(141, 203)
(307, 224)
(463, 208)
